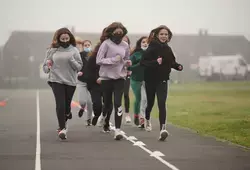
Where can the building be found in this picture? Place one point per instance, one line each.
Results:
(21, 45)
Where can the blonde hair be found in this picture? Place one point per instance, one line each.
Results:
(79, 40)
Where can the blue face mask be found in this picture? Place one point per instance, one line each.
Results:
(87, 49)
(144, 48)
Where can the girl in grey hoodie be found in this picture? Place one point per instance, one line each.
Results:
(113, 58)
(62, 63)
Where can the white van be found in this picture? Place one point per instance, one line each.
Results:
(223, 67)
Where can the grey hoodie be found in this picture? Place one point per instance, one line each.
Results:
(66, 62)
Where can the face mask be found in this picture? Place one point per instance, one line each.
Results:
(144, 48)
(116, 38)
(64, 44)
(87, 49)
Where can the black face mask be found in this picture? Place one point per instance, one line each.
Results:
(64, 44)
(116, 38)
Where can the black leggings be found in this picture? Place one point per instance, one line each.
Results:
(96, 96)
(63, 96)
(161, 90)
(110, 87)
(126, 94)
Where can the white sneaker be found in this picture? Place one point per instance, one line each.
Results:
(63, 134)
(163, 135)
(127, 118)
(118, 134)
(148, 125)
(100, 121)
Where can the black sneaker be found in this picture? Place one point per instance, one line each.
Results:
(136, 121)
(106, 128)
(94, 120)
(88, 122)
(80, 113)
(68, 116)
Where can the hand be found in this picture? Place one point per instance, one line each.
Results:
(49, 63)
(80, 73)
(128, 63)
(159, 60)
(98, 81)
(180, 67)
(129, 73)
(117, 58)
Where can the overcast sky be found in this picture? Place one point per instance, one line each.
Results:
(182, 16)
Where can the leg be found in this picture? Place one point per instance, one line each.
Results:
(96, 96)
(150, 93)
(136, 87)
(107, 89)
(82, 87)
(89, 107)
(118, 91)
(143, 105)
(59, 94)
(126, 94)
(162, 92)
(69, 93)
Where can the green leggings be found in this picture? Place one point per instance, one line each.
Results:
(136, 87)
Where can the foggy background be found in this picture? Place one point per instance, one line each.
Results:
(216, 28)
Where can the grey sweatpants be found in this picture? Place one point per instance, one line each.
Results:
(143, 105)
(85, 98)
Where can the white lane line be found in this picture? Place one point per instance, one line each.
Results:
(156, 154)
(38, 144)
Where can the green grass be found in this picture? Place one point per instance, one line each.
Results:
(221, 110)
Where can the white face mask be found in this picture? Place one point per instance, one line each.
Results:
(144, 48)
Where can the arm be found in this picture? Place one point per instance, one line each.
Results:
(49, 54)
(134, 64)
(174, 64)
(101, 56)
(147, 58)
(76, 61)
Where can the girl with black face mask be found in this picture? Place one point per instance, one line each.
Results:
(113, 58)
(62, 63)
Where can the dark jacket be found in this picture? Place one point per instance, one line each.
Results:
(153, 71)
(92, 72)
(136, 68)
(84, 57)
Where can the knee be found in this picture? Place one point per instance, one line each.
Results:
(162, 105)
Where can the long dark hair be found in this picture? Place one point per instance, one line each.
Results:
(113, 26)
(57, 35)
(153, 34)
(102, 39)
(138, 45)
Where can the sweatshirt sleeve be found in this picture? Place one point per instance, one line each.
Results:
(127, 53)
(174, 64)
(48, 56)
(76, 61)
(135, 64)
(147, 59)
(101, 56)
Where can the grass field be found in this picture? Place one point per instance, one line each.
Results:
(221, 110)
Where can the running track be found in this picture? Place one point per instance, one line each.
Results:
(28, 141)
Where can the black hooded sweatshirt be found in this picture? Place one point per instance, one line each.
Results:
(155, 72)
(84, 57)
